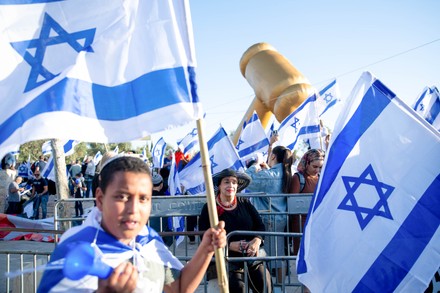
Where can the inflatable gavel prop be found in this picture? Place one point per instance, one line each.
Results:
(279, 87)
(81, 261)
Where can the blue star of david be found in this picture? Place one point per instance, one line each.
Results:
(294, 124)
(240, 142)
(194, 132)
(328, 97)
(365, 214)
(422, 107)
(157, 153)
(45, 40)
(213, 164)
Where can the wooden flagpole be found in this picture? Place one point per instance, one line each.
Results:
(212, 210)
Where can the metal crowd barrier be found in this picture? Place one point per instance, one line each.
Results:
(164, 207)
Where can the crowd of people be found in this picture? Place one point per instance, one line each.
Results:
(276, 174)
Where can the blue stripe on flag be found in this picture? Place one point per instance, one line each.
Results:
(422, 96)
(302, 131)
(216, 138)
(48, 169)
(190, 146)
(310, 99)
(398, 257)
(329, 105)
(434, 111)
(253, 148)
(374, 102)
(129, 100)
(18, 2)
(321, 92)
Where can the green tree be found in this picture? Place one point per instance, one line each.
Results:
(32, 148)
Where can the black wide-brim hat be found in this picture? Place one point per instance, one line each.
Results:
(242, 178)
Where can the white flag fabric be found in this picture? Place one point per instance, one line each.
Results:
(177, 224)
(46, 148)
(428, 106)
(252, 139)
(29, 169)
(329, 96)
(48, 171)
(102, 71)
(159, 153)
(300, 124)
(144, 154)
(270, 127)
(189, 142)
(97, 158)
(373, 224)
(222, 155)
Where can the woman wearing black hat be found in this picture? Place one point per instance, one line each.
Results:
(238, 214)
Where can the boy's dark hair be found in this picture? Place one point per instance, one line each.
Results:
(125, 164)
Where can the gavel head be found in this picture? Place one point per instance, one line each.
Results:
(276, 82)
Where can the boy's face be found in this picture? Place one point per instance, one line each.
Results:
(126, 204)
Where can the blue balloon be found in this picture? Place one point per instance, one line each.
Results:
(81, 261)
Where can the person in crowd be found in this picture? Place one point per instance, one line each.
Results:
(305, 181)
(117, 231)
(191, 221)
(7, 175)
(239, 214)
(273, 177)
(167, 161)
(42, 161)
(40, 193)
(74, 169)
(155, 223)
(14, 198)
(78, 190)
(88, 175)
(95, 182)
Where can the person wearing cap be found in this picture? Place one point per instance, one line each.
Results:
(117, 232)
(239, 214)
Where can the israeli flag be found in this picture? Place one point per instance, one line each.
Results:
(144, 154)
(116, 150)
(373, 224)
(270, 127)
(102, 71)
(46, 148)
(222, 155)
(190, 142)
(328, 97)
(159, 153)
(23, 170)
(30, 174)
(48, 171)
(97, 158)
(300, 124)
(252, 139)
(428, 106)
(177, 224)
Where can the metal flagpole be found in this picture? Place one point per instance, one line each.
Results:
(210, 199)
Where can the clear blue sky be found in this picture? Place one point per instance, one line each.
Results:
(322, 39)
